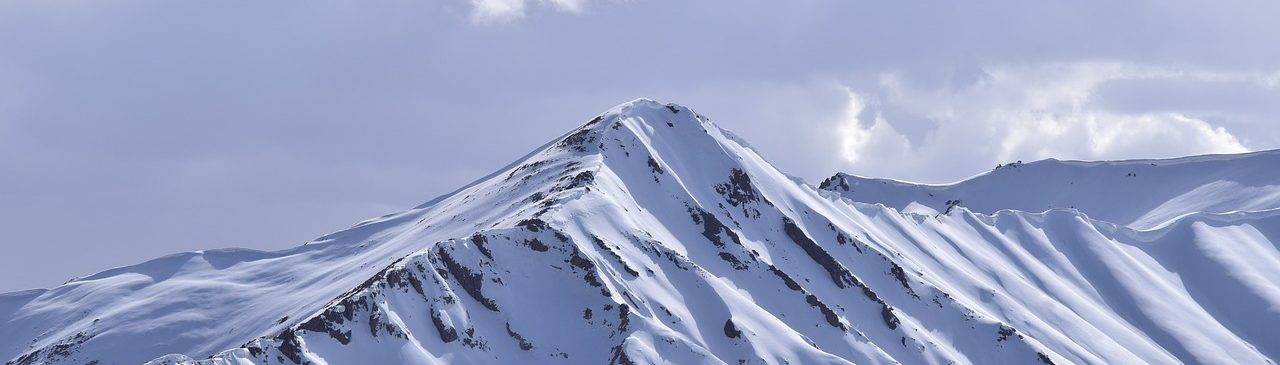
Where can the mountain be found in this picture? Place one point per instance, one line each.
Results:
(650, 235)
(1140, 194)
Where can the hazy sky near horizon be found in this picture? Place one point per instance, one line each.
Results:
(135, 129)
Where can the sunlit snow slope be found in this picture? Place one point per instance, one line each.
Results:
(1137, 193)
(649, 235)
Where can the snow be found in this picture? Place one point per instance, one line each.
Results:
(1138, 193)
(650, 235)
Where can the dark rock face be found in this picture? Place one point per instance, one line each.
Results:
(1005, 331)
(890, 319)
(329, 322)
(378, 323)
(480, 241)
(528, 168)
(537, 245)
(713, 230)
(56, 352)
(733, 261)
(952, 204)
(361, 300)
(579, 262)
(614, 254)
(839, 274)
(731, 330)
(560, 235)
(593, 121)
(290, 347)
(832, 318)
(624, 317)
(473, 341)
(901, 276)
(619, 356)
(582, 179)
(738, 190)
(533, 224)
(524, 344)
(653, 166)
(786, 279)
(447, 333)
(579, 140)
(712, 227)
(843, 239)
(834, 183)
(401, 277)
(471, 282)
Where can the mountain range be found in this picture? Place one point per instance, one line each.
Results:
(651, 235)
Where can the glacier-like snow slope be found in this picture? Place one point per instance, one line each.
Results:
(649, 235)
(1138, 193)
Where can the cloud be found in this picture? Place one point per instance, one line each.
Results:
(485, 11)
(572, 6)
(858, 138)
(1272, 81)
(501, 11)
(1008, 113)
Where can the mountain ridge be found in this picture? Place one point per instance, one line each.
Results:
(646, 235)
(1153, 191)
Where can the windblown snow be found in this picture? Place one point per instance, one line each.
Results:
(650, 235)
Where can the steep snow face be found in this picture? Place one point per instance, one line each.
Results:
(649, 235)
(1141, 194)
(1203, 289)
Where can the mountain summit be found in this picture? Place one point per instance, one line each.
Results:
(650, 235)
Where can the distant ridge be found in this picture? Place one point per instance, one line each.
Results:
(1138, 193)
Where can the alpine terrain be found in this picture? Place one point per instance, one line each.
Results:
(650, 235)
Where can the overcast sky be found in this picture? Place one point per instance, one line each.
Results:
(135, 129)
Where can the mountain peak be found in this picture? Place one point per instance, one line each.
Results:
(644, 104)
(650, 235)
(649, 113)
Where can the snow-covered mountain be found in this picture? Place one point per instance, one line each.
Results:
(1140, 194)
(649, 235)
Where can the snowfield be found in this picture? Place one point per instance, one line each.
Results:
(650, 235)
(1141, 194)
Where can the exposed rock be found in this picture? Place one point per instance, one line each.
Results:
(447, 333)
(480, 241)
(524, 344)
(891, 320)
(839, 275)
(738, 190)
(730, 330)
(471, 281)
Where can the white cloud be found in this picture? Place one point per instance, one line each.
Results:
(500, 11)
(1019, 113)
(487, 11)
(858, 138)
(1272, 81)
(572, 6)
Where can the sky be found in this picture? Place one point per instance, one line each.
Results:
(132, 129)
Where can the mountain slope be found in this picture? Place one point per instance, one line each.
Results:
(650, 235)
(1138, 193)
